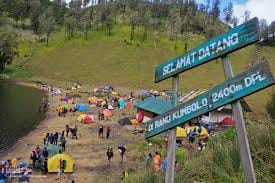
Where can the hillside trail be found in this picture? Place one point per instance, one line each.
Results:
(88, 151)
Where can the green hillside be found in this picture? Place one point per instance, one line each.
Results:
(109, 60)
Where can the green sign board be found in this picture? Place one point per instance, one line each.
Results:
(236, 38)
(244, 84)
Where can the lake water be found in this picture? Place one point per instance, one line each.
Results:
(19, 112)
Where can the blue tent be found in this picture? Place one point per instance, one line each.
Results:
(146, 93)
(82, 107)
(122, 104)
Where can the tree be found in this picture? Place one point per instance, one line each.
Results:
(216, 9)
(263, 26)
(8, 46)
(228, 12)
(86, 22)
(35, 11)
(272, 29)
(235, 21)
(145, 19)
(19, 10)
(133, 22)
(175, 23)
(47, 24)
(246, 15)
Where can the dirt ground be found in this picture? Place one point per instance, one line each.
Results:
(89, 151)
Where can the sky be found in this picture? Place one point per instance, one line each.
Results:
(260, 8)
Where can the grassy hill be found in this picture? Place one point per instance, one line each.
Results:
(109, 60)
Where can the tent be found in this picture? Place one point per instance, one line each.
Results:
(88, 119)
(110, 107)
(203, 130)
(134, 122)
(92, 100)
(52, 149)
(228, 122)
(71, 101)
(53, 163)
(80, 117)
(122, 104)
(146, 93)
(128, 105)
(107, 113)
(82, 107)
(124, 121)
(181, 133)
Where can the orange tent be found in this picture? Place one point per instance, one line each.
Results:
(128, 106)
(71, 101)
(134, 122)
(92, 100)
(107, 113)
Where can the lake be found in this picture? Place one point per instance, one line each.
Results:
(19, 112)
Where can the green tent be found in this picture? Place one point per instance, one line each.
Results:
(52, 149)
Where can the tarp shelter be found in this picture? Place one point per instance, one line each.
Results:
(228, 122)
(92, 100)
(107, 113)
(124, 121)
(52, 149)
(122, 104)
(82, 107)
(53, 163)
(152, 107)
(88, 119)
(181, 133)
(203, 130)
(80, 117)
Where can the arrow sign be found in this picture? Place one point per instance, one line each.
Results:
(244, 84)
(236, 38)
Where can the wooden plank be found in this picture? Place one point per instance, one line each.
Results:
(236, 38)
(171, 155)
(244, 84)
(246, 159)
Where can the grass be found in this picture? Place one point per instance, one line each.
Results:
(108, 60)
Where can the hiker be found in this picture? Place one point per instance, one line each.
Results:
(33, 158)
(45, 153)
(108, 132)
(68, 129)
(50, 138)
(63, 143)
(109, 154)
(202, 145)
(55, 138)
(24, 177)
(74, 133)
(44, 137)
(100, 115)
(100, 132)
(121, 150)
(60, 169)
(209, 128)
(46, 165)
(59, 110)
(156, 162)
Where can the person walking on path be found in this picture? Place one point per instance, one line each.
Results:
(68, 129)
(109, 154)
(108, 132)
(100, 132)
(55, 138)
(45, 153)
(63, 143)
(33, 158)
(60, 169)
(121, 150)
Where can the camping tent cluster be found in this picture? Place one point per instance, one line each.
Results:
(155, 93)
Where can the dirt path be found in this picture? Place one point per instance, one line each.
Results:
(89, 151)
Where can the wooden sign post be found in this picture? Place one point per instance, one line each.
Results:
(240, 127)
(233, 89)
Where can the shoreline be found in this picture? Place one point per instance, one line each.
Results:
(36, 127)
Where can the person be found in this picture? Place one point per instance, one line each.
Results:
(44, 137)
(108, 132)
(121, 150)
(109, 154)
(156, 162)
(202, 145)
(55, 138)
(59, 110)
(46, 165)
(38, 152)
(68, 129)
(100, 132)
(45, 153)
(33, 158)
(50, 138)
(199, 128)
(191, 136)
(74, 133)
(25, 176)
(164, 165)
(63, 143)
(100, 115)
(209, 128)
(60, 169)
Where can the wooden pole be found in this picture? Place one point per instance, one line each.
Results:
(241, 130)
(171, 157)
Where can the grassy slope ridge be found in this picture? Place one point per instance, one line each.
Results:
(108, 60)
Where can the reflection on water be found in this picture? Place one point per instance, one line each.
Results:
(19, 112)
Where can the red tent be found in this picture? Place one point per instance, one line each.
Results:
(107, 113)
(228, 122)
(88, 119)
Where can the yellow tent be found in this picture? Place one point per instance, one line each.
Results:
(114, 93)
(80, 117)
(203, 130)
(181, 133)
(53, 163)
